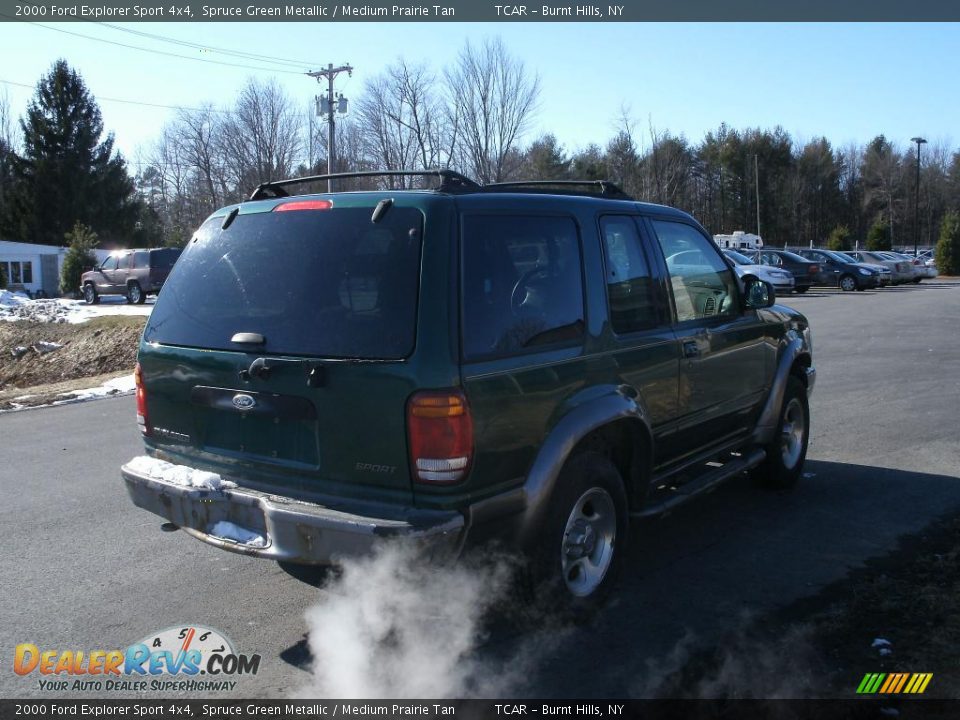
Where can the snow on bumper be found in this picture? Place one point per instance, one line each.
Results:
(282, 528)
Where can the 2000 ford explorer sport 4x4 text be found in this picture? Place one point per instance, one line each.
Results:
(535, 363)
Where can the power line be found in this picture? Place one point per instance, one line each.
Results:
(210, 48)
(160, 52)
(99, 98)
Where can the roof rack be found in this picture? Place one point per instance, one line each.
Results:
(450, 181)
(603, 188)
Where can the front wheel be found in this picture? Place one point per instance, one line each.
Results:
(90, 294)
(787, 450)
(582, 544)
(848, 283)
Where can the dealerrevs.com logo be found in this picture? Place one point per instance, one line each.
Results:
(189, 658)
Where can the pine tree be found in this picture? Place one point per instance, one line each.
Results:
(79, 257)
(878, 238)
(66, 174)
(948, 247)
(839, 238)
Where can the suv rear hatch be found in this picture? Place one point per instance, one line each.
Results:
(161, 262)
(276, 350)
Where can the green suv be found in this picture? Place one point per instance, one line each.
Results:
(531, 363)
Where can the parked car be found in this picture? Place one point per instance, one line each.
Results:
(922, 267)
(901, 271)
(132, 273)
(805, 272)
(840, 271)
(884, 273)
(782, 280)
(528, 363)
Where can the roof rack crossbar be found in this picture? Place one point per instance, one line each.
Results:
(607, 188)
(450, 181)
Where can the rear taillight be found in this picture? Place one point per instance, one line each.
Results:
(141, 401)
(440, 431)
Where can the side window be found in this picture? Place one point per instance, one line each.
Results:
(703, 285)
(629, 286)
(110, 263)
(141, 259)
(522, 284)
(28, 272)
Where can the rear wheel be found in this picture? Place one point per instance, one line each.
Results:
(135, 294)
(582, 543)
(90, 294)
(848, 283)
(787, 450)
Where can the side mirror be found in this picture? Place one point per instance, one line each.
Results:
(759, 294)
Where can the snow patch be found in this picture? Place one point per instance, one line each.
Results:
(118, 386)
(178, 474)
(12, 299)
(17, 306)
(228, 531)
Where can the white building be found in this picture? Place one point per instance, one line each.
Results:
(32, 268)
(35, 268)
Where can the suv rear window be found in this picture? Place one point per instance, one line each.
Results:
(322, 283)
(522, 284)
(163, 259)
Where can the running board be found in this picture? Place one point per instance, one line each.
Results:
(705, 483)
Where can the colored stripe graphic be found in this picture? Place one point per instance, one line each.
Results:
(894, 683)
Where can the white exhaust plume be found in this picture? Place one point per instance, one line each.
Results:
(396, 625)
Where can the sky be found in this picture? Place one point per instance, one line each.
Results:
(848, 82)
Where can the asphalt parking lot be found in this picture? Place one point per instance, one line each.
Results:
(84, 569)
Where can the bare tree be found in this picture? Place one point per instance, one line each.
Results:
(493, 100)
(201, 134)
(263, 137)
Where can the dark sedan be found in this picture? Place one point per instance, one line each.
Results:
(840, 271)
(805, 272)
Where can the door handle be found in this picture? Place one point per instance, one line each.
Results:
(691, 349)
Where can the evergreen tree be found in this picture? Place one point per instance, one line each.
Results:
(66, 173)
(545, 160)
(878, 238)
(839, 238)
(79, 257)
(948, 247)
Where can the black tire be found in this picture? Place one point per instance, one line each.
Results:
(785, 456)
(801, 290)
(577, 558)
(90, 294)
(135, 294)
(848, 283)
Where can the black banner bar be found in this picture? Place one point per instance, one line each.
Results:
(476, 11)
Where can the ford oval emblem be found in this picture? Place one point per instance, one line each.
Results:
(243, 402)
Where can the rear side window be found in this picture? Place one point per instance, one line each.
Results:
(703, 285)
(629, 287)
(322, 283)
(163, 259)
(141, 259)
(522, 284)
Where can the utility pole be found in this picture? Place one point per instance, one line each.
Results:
(330, 73)
(916, 200)
(756, 181)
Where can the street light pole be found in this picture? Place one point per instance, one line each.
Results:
(916, 200)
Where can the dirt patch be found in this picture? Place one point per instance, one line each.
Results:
(104, 345)
(898, 614)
